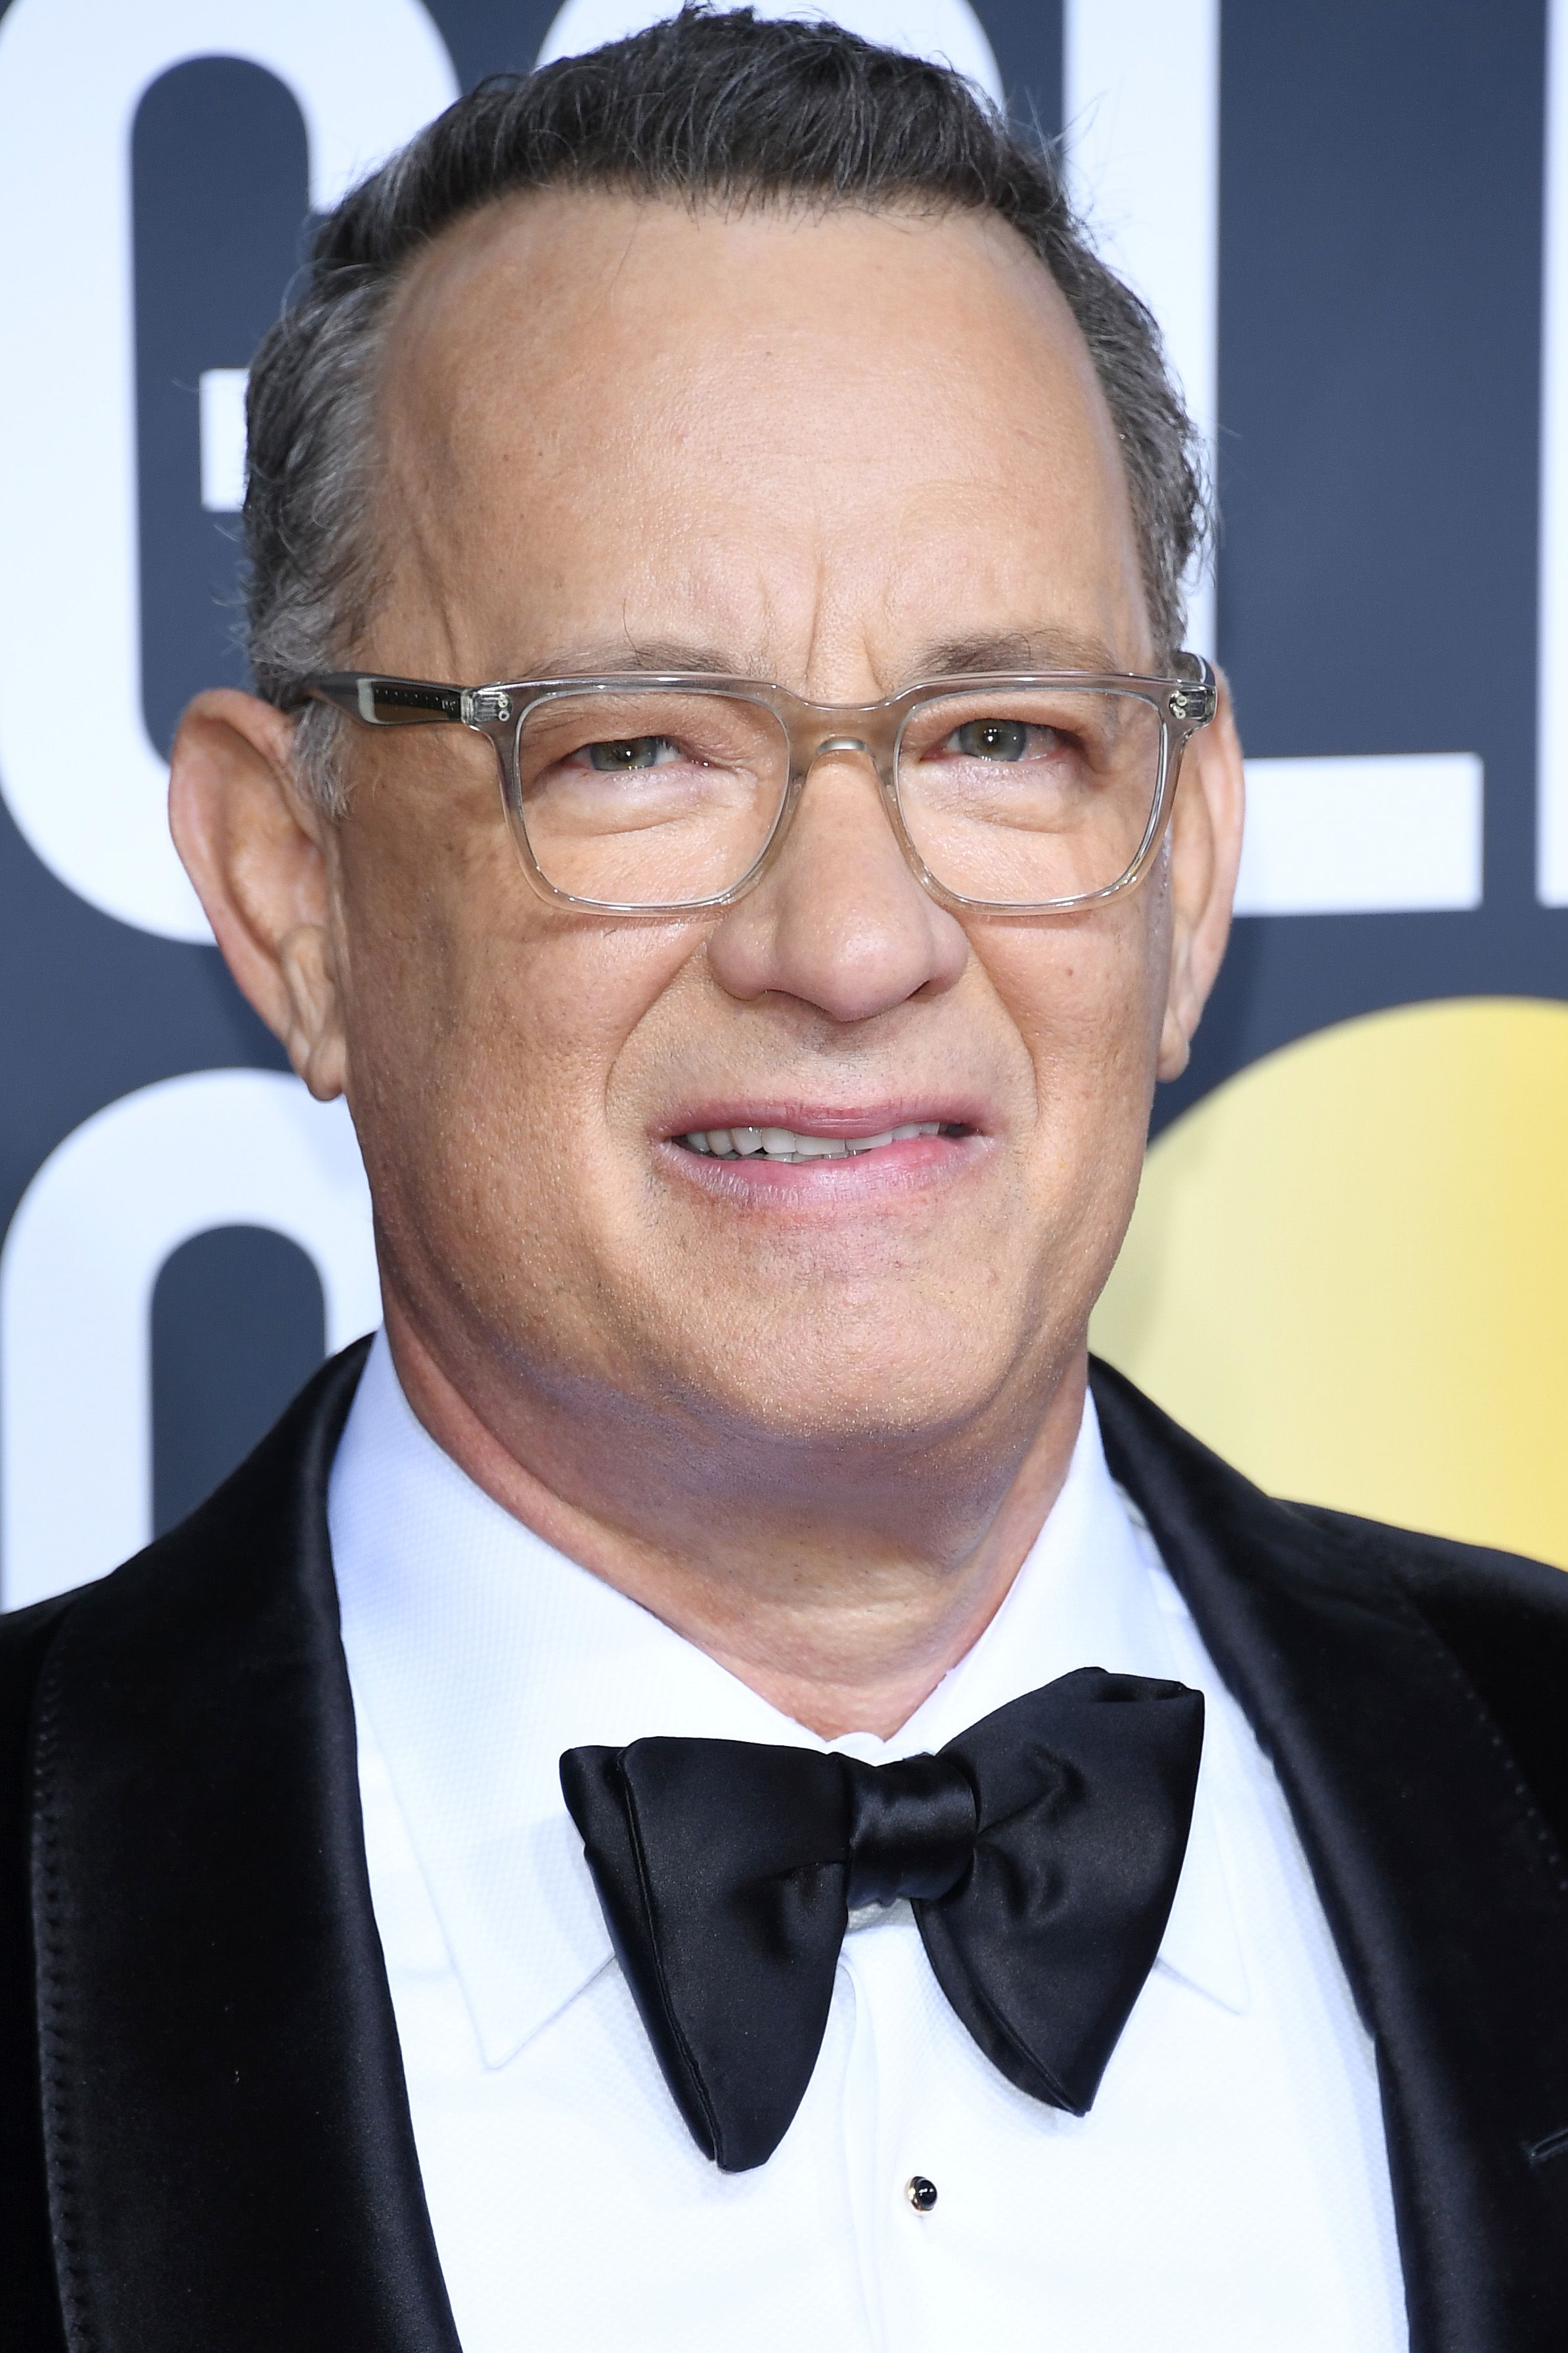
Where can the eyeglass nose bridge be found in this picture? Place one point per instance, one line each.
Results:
(875, 741)
(878, 746)
(822, 731)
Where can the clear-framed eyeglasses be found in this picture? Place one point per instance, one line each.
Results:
(1029, 794)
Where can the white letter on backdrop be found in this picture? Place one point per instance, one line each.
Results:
(82, 780)
(77, 1275)
(948, 30)
(1141, 111)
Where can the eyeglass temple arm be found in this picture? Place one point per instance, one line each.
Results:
(1195, 699)
(406, 701)
(419, 703)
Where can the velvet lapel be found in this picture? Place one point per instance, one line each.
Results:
(1444, 1889)
(231, 2162)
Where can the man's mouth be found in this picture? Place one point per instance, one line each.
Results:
(790, 1144)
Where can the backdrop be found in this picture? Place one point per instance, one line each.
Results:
(1350, 1266)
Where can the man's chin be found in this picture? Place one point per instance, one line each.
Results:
(833, 1393)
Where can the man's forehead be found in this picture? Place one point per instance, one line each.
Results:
(538, 281)
(672, 476)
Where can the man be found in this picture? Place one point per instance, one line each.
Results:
(659, 1809)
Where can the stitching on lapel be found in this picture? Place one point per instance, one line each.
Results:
(1530, 1812)
(111, 2224)
(1478, 2275)
(52, 1966)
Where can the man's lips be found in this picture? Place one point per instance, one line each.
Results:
(746, 1142)
(758, 1137)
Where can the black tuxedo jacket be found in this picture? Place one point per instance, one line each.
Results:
(204, 2141)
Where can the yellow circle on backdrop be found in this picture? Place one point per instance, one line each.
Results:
(1348, 1271)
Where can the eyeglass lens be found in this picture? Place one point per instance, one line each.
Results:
(666, 796)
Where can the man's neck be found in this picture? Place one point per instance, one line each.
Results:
(841, 1596)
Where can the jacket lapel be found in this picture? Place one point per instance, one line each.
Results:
(231, 2162)
(1444, 1888)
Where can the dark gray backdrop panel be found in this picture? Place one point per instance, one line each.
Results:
(1380, 357)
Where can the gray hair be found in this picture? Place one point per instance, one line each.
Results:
(704, 109)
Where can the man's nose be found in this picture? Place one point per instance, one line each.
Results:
(838, 921)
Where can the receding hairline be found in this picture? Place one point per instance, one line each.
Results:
(483, 225)
(431, 280)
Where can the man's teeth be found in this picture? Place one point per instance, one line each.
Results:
(784, 1144)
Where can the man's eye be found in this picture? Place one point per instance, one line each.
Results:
(631, 752)
(994, 739)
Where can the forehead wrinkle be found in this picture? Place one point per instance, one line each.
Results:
(615, 657)
(824, 619)
(419, 575)
(423, 485)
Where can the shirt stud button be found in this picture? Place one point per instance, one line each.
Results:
(920, 2193)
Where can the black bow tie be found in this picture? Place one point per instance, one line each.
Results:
(1040, 1850)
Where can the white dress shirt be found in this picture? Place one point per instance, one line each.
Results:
(1227, 2193)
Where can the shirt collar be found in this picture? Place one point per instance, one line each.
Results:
(477, 1653)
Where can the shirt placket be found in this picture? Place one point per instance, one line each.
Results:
(896, 2171)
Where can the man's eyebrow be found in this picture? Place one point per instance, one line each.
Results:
(1019, 650)
(1022, 650)
(621, 658)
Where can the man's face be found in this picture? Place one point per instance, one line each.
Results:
(829, 452)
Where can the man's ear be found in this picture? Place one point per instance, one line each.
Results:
(253, 843)
(1204, 853)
